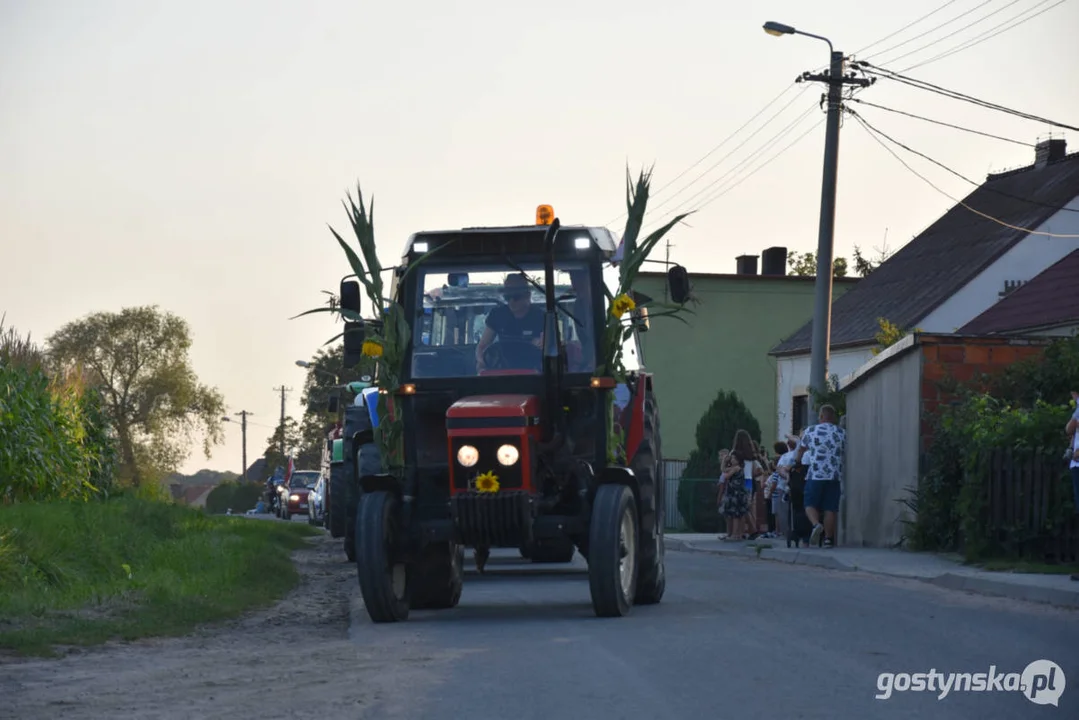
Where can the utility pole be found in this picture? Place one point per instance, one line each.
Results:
(283, 390)
(822, 304)
(243, 431)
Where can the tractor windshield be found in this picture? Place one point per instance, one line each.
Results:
(488, 317)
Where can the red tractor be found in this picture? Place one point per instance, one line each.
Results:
(506, 425)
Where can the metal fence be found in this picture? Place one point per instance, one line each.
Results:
(673, 470)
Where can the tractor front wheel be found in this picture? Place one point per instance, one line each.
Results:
(384, 578)
(439, 577)
(612, 551)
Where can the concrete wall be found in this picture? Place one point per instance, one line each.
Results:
(883, 428)
(724, 346)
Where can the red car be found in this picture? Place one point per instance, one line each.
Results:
(294, 496)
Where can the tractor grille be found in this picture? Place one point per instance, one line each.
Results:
(500, 519)
(508, 477)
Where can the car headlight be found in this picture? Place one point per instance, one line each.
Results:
(294, 497)
(508, 454)
(468, 455)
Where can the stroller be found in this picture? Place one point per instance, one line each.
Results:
(798, 526)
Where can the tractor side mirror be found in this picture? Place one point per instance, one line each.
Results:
(329, 445)
(678, 284)
(331, 406)
(350, 296)
(354, 335)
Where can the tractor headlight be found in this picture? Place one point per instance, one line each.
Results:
(508, 454)
(294, 497)
(468, 455)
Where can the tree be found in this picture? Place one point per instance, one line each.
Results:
(697, 492)
(152, 396)
(326, 369)
(805, 264)
(888, 335)
(290, 432)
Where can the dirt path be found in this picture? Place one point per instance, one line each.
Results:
(297, 659)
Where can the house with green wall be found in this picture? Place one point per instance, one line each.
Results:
(739, 318)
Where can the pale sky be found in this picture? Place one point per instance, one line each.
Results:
(191, 154)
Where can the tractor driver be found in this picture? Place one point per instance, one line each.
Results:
(517, 320)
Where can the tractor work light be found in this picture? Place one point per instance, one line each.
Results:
(582, 243)
(420, 247)
(508, 455)
(468, 455)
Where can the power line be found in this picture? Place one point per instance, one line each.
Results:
(786, 130)
(953, 172)
(930, 183)
(953, 33)
(979, 39)
(941, 122)
(930, 30)
(767, 162)
(905, 27)
(954, 95)
(724, 142)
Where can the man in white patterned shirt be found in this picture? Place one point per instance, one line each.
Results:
(826, 443)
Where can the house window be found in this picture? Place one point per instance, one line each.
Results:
(800, 413)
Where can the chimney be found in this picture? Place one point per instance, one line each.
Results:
(1048, 151)
(774, 261)
(747, 264)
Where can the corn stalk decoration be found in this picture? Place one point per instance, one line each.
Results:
(386, 340)
(621, 302)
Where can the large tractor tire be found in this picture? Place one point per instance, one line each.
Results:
(338, 505)
(648, 467)
(551, 551)
(384, 578)
(613, 551)
(439, 577)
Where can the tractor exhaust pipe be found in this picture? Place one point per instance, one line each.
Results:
(552, 345)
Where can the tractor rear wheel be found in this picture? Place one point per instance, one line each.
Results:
(648, 467)
(552, 551)
(384, 579)
(439, 577)
(612, 551)
(338, 505)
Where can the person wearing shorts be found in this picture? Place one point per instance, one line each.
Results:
(826, 443)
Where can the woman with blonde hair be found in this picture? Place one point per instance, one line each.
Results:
(744, 469)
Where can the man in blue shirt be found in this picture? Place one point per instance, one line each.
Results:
(827, 444)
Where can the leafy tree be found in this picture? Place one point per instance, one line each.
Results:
(290, 432)
(888, 335)
(805, 264)
(152, 396)
(697, 492)
(325, 373)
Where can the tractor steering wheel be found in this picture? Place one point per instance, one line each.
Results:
(512, 353)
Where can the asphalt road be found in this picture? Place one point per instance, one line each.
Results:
(733, 638)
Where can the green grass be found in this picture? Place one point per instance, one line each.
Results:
(83, 573)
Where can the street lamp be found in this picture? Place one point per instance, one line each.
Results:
(822, 306)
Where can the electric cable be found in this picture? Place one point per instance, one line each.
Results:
(927, 181)
(941, 122)
(954, 95)
(905, 27)
(931, 30)
(952, 33)
(979, 39)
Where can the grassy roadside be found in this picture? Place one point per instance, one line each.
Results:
(85, 573)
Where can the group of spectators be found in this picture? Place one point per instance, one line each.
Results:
(754, 489)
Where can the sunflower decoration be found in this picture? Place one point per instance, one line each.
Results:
(372, 348)
(621, 305)
(487, 482)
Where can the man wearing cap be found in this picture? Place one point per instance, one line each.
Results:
(517, 320)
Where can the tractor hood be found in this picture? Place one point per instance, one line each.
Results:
(492, 411)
